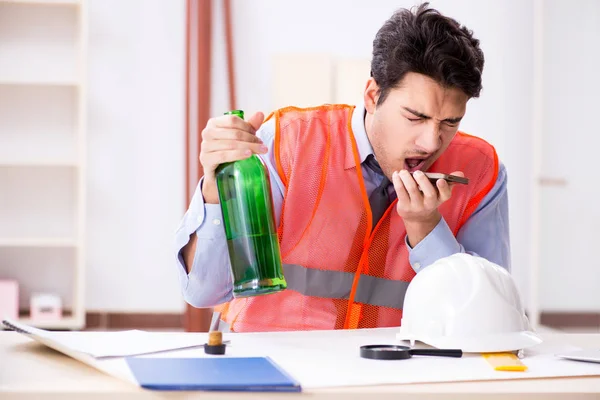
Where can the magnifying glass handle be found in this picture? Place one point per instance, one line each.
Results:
(437, 352)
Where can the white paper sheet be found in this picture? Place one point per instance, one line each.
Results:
(320, 359)
(331, 359)
(117, 343)
(126, 343)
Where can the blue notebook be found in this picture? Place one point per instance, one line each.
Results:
(213, 373)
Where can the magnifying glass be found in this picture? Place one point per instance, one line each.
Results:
(395, 352)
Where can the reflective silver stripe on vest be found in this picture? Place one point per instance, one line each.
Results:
(337, 285)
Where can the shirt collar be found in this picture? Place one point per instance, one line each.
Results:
(360, 136)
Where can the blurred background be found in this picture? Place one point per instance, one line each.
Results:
(102, 102)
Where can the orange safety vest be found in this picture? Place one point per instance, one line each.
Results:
(340, 272)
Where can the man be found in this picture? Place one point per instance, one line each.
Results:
(360, 218)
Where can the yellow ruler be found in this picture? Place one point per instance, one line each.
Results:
(504, 362)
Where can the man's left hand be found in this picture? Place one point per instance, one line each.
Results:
(418, 202)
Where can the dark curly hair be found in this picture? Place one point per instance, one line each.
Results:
(426, 42)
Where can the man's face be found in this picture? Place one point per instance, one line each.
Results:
(415, 124)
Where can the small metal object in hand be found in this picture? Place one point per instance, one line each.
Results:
(434, 176)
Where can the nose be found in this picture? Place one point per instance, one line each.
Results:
(430, 139)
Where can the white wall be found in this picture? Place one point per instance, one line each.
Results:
(570, 270)
(137, 106)
(264, 28)
(136, 168)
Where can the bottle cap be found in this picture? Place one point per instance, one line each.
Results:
(239, 113)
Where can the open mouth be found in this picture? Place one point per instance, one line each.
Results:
(414, 164)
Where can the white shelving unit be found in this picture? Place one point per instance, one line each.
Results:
(43, 47)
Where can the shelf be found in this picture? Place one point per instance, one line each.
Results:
(43, 81)
(38, 202)
(42, 270)
(63, 323)
(44, 2)
(37, 242)
(43, 51)
(39, 44)
(37, 163)
(38, 125)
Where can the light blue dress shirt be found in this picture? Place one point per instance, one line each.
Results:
(209, 283)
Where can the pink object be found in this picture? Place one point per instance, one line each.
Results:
(46, 307)
(9, 299)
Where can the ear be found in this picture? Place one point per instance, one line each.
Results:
(371, 95)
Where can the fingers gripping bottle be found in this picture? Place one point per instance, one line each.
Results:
(249, 222)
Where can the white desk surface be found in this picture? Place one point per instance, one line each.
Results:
(29, 370)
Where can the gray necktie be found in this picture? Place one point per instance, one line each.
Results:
(379, 199)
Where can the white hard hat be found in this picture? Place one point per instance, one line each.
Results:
(466, 302)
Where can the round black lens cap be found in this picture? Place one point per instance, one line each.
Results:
(385, 352)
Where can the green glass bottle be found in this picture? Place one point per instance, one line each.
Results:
(249, 222)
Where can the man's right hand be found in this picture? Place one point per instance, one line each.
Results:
(225, 139)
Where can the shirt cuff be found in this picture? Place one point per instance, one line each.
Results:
(205, 224)
(438, 244)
